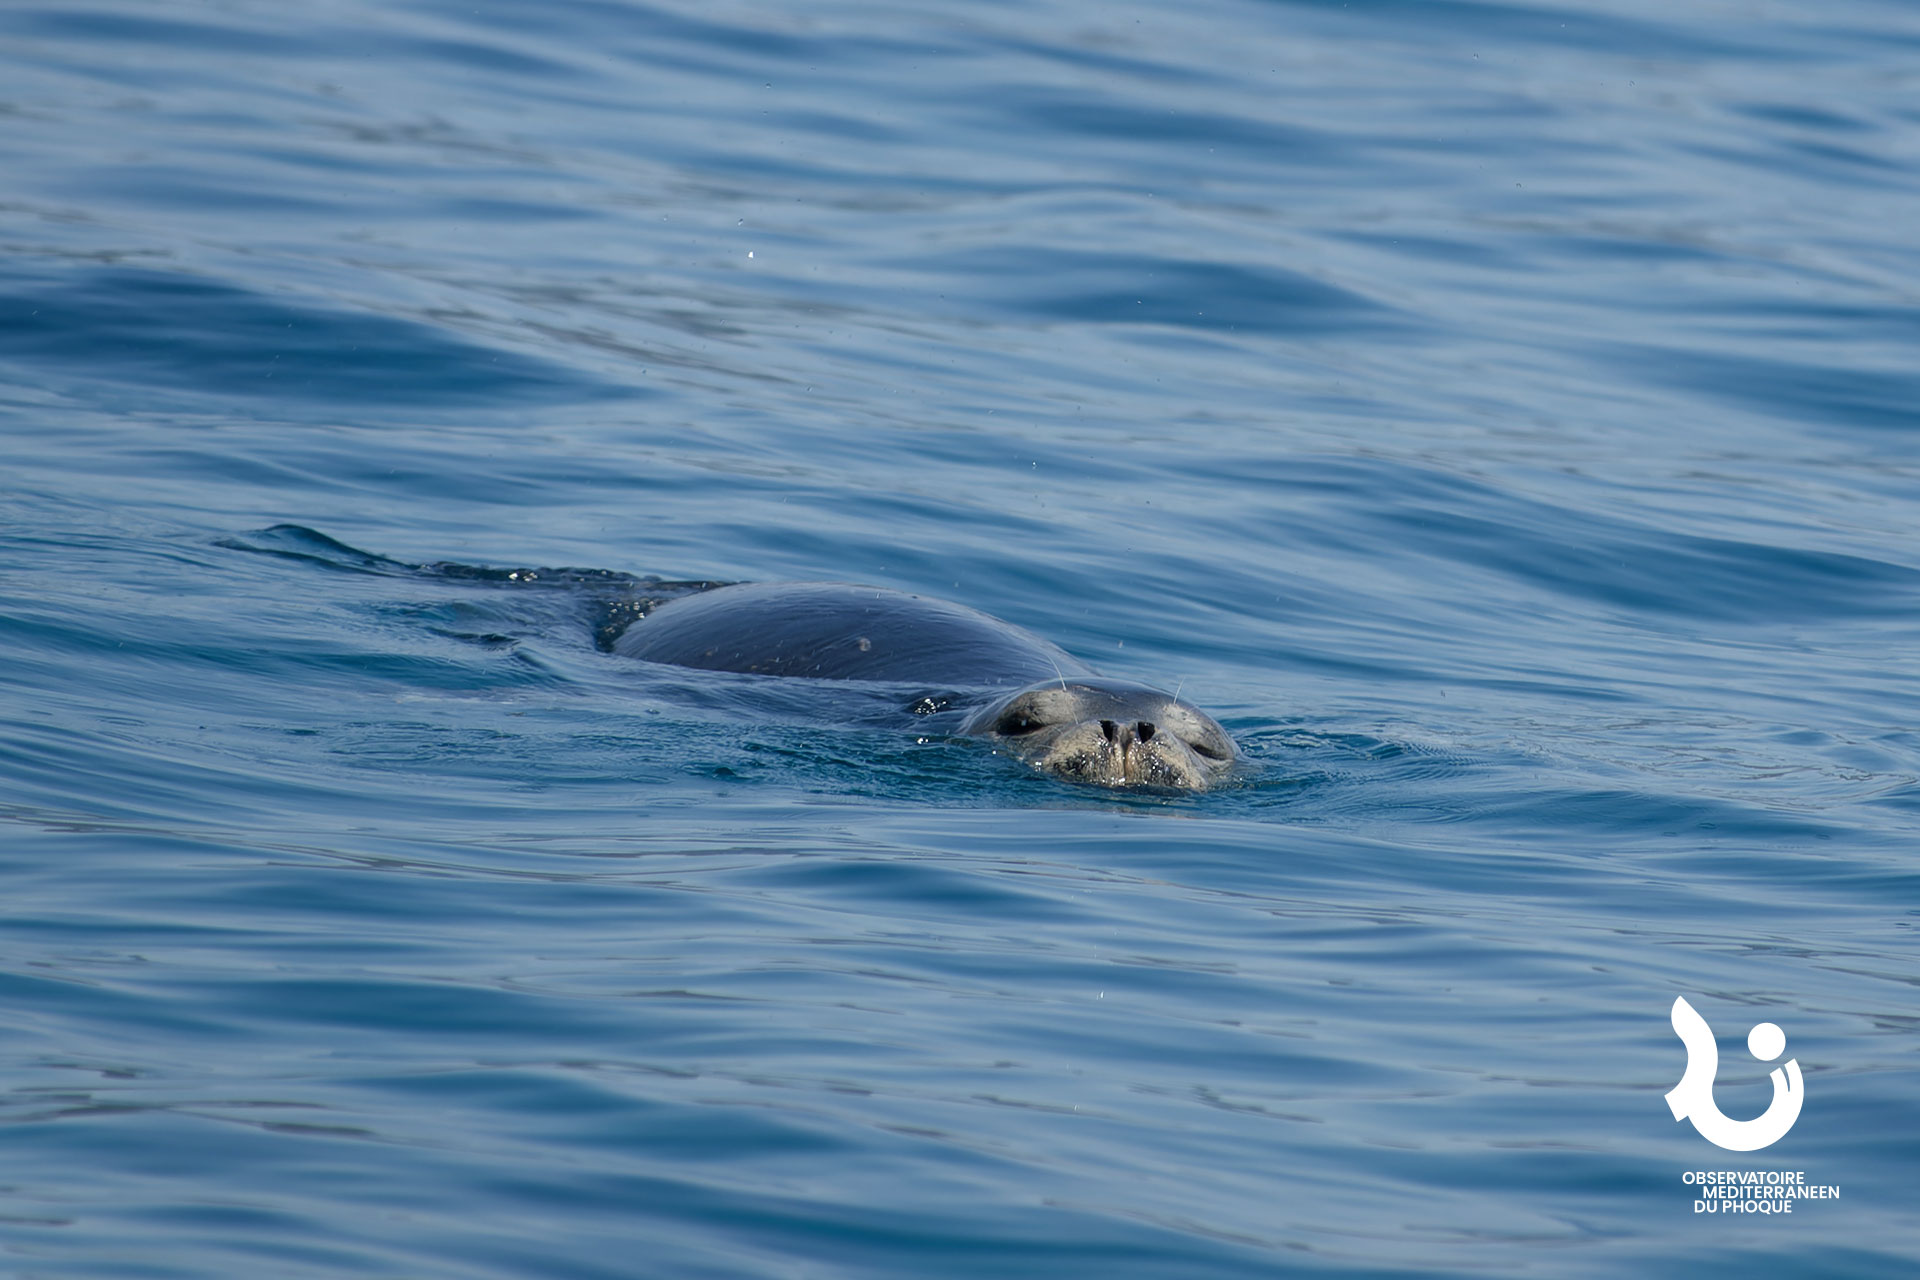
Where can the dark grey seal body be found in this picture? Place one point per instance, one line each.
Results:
(1026, 694)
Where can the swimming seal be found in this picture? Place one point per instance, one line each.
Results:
(976, 674)
(1029, 696)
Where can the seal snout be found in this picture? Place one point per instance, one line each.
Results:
(1130, 758)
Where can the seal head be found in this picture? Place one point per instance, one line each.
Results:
(1111, 732)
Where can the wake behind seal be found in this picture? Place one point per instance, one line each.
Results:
(1027, 695)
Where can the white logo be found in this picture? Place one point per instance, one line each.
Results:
(1692, 1098)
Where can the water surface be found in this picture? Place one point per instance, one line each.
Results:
(1500, 415)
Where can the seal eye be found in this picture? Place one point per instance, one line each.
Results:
(1016, 724)
(1207, 751)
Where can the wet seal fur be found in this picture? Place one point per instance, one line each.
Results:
(1028, 696)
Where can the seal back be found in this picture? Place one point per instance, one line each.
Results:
(837, 631)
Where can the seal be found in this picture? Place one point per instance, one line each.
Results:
(976, 674)
(1030, 697)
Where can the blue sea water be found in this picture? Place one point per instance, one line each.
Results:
(1502, 415)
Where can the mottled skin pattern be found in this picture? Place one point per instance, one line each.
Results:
(1030, 697)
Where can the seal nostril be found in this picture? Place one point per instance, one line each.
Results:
(1109, 728)
(1143, 731)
